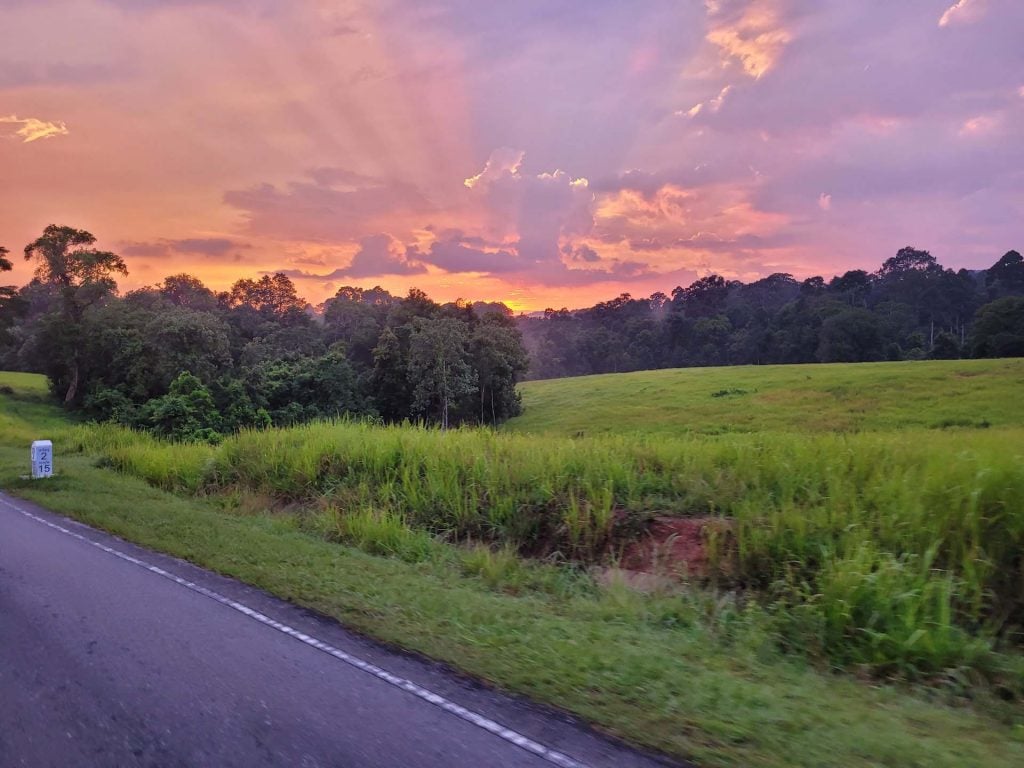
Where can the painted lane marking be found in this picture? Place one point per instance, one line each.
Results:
(474, 718)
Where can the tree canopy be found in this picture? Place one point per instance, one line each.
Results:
(187, 363)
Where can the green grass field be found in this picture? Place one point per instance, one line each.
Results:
(779, 398)
(889, 548)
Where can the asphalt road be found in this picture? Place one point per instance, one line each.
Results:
(105, 662)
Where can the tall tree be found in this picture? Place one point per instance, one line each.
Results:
(500, 361)
(389, 381)
(440, 367)
(270, 295)
(81, 276)
(1006, 276)
(850, 336)
(184, 290)
(999, 329)
(908, 259)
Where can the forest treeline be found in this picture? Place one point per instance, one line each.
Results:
(186, 362)
(910, 308)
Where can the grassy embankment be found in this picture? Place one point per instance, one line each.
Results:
(888, 552)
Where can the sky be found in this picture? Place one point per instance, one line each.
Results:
(545, 153)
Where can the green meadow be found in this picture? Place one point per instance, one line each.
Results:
(862, 601)
(927, 394)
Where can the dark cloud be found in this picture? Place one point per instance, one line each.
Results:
(456, 256)
(301, 274)
(582, 253)
(145, 250)
(336, 205)
(206, 246)
(611, 272)
(378, 255)
(202, 246)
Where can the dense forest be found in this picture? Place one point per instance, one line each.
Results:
(911, 308)
(183, 361)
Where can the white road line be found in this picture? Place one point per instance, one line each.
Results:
(474, 718)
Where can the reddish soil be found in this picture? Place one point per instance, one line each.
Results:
(673, 547)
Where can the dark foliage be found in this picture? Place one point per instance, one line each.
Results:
(910, 308)
(186, 363)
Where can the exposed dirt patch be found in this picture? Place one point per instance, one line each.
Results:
(681, 548)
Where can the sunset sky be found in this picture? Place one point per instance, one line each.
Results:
(541, 152)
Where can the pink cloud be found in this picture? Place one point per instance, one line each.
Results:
(963, 12)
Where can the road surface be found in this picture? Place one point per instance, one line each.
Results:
(112, 655)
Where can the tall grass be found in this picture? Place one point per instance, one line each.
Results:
(900, 551)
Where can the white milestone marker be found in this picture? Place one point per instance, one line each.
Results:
(42, 459)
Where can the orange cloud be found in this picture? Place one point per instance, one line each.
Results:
(33, 129)
(713, 228)
(669, 203)
(755, 36)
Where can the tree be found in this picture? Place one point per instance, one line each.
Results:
(854, 286)
(999, 329)
(390, 381)
(82, 276)
(306, 387)
(355, 317)
(851, 336)
(187, 412)
(179, 339)
(906, 260)
(184, 290)
(499, 360)
(946, 347)
(439, 368)
(813, 286)
(1006, 276)
(704, 298)
(270, 295)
